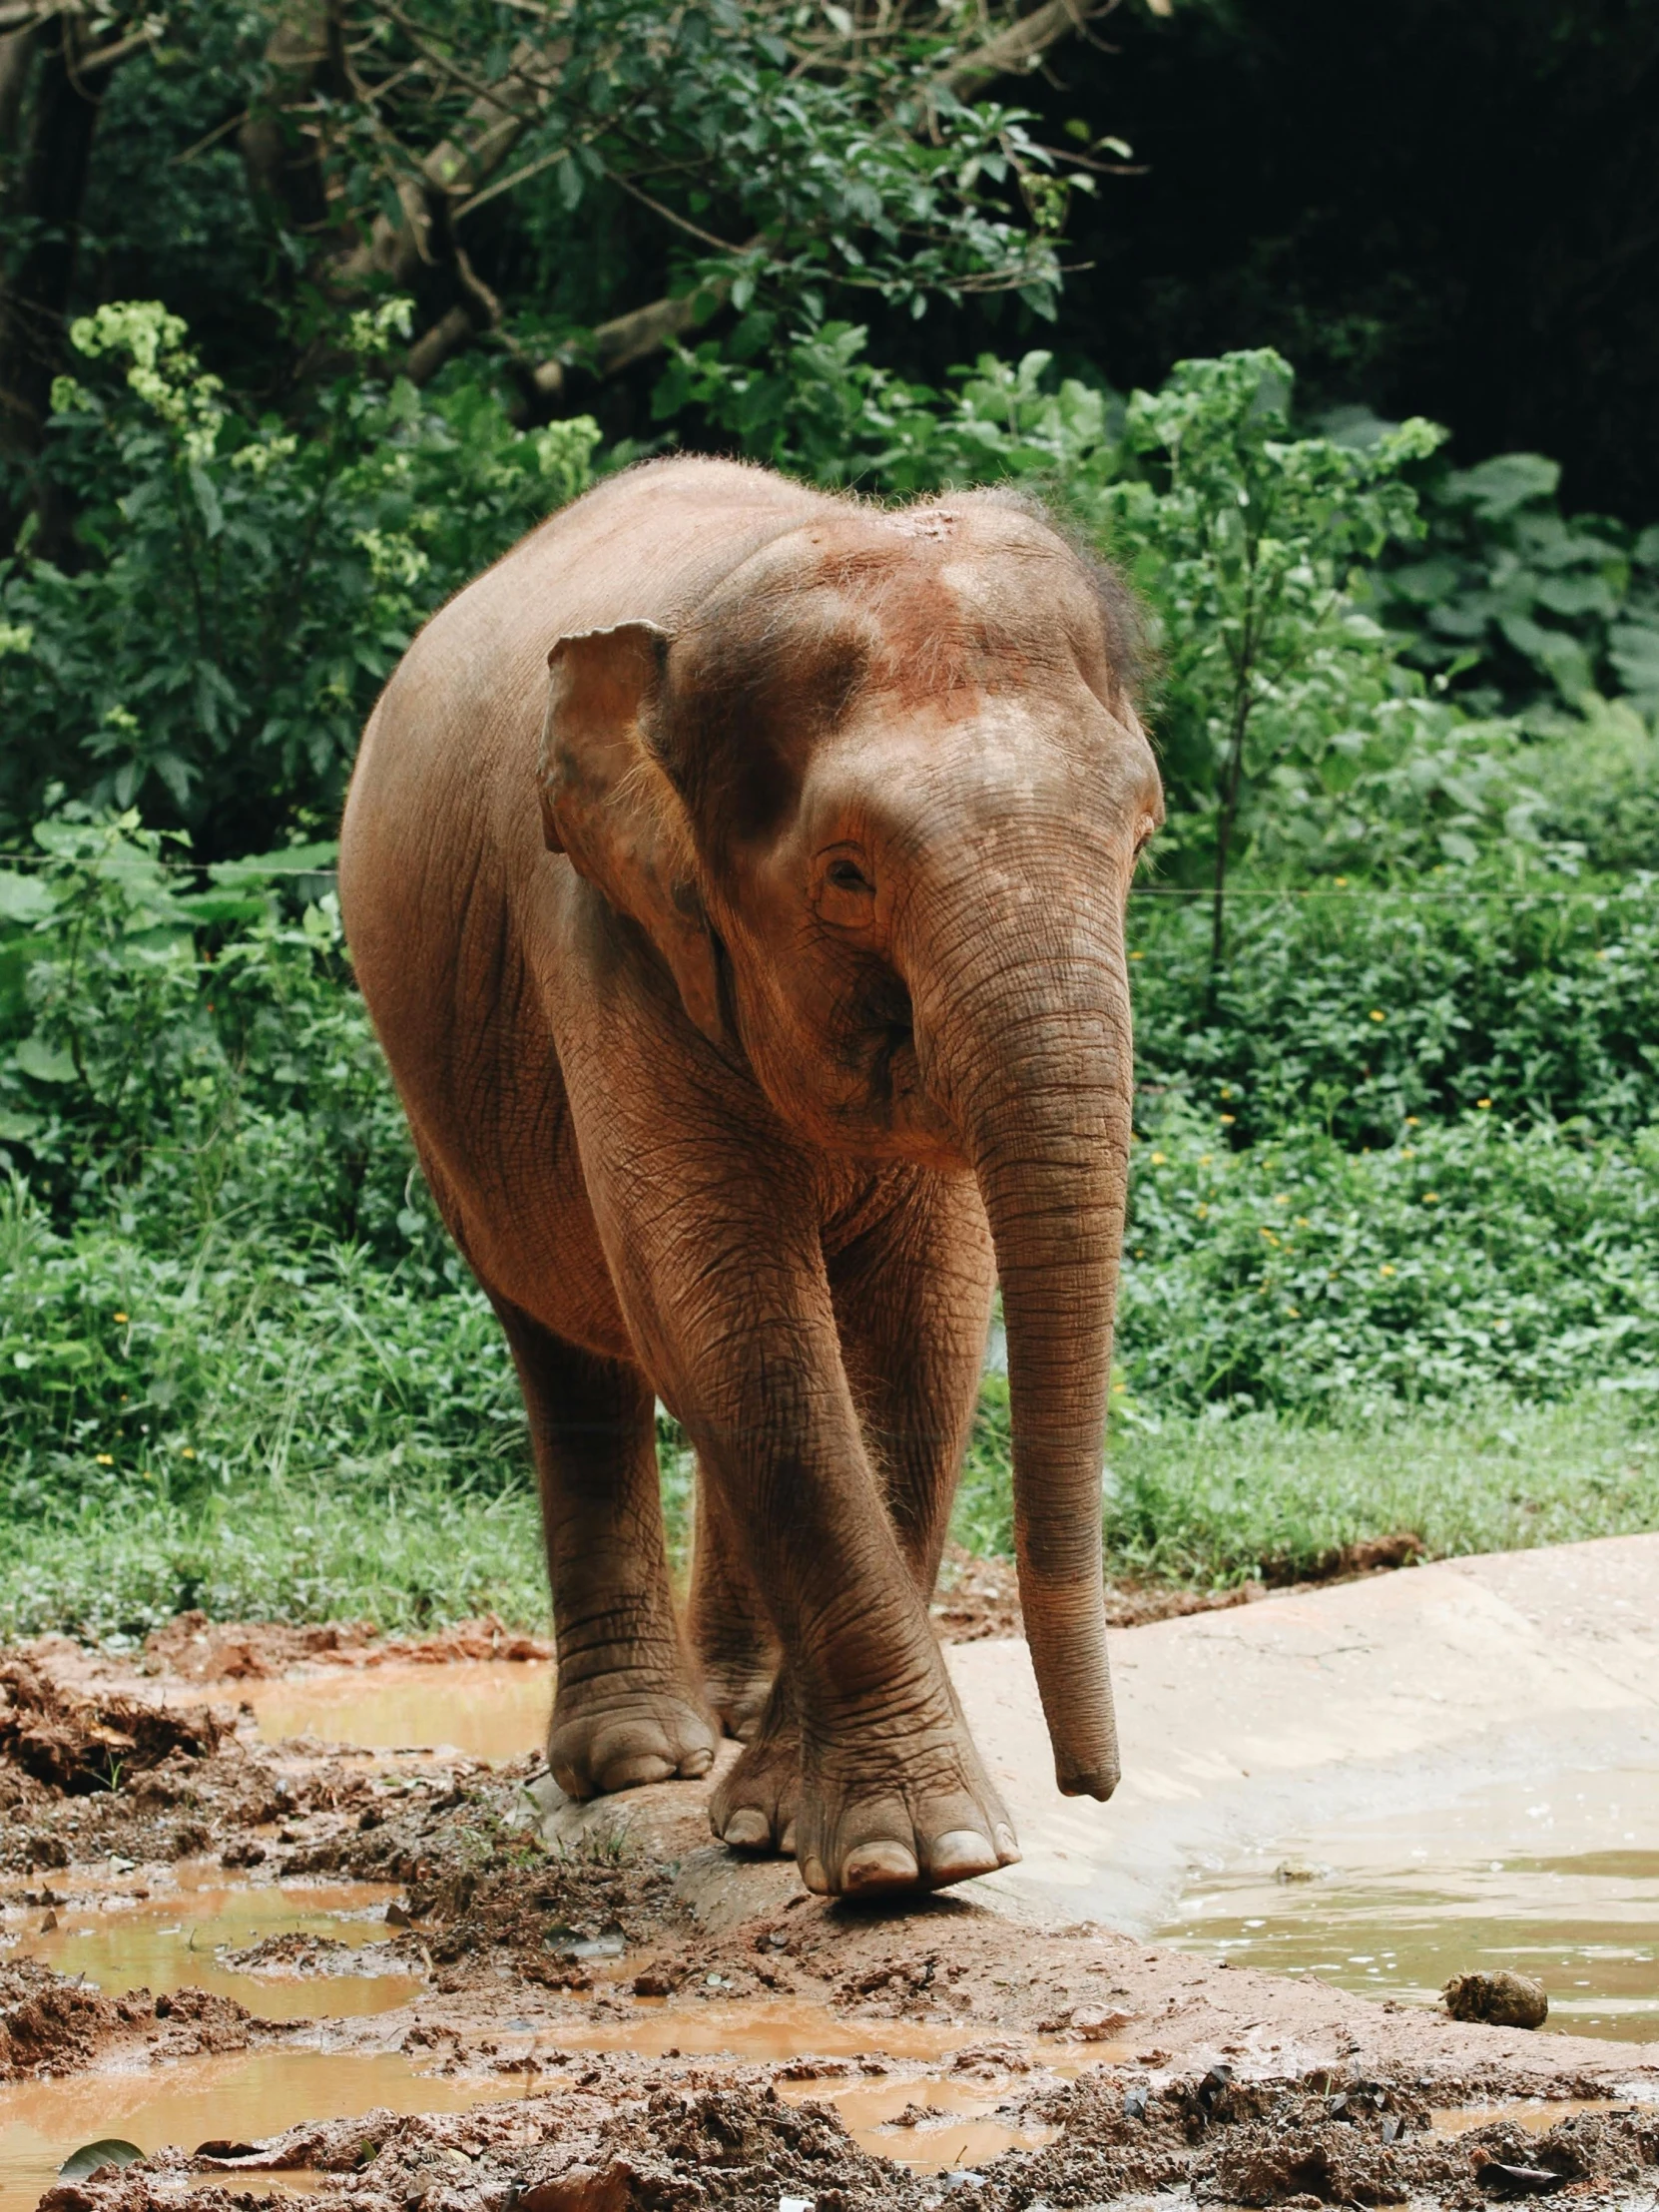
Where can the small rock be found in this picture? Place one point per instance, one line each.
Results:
(397, 1916)
(1498, 2000)
(1096, 2026)
(1297, 1870)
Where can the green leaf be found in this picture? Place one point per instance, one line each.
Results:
(23, 899)
(42, 1062)
(109, 2150)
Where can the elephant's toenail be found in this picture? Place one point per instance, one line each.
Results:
(748, 1828)
(1007, 1845)
(959, 1855)
(879, 1867)
(813, 1873)
(697, 1763)
(786, 1843)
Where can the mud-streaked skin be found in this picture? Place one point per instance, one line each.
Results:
(736, 877)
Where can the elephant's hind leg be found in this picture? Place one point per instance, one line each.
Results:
(728, 1623)
(627, 1708)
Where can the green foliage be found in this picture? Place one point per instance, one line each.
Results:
(223, 1265)
(1291, 733)
(1300, 1276)
(1355, 1008)
(244, 590)
(1520, 602)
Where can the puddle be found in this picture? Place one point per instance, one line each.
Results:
(243, 2096)
(180, 1936)
(1536, 2114)
(493, 1709)
(1559, 1881)
(253, 2094)
(956, 2130)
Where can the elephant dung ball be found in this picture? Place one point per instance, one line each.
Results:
(1498, 1999)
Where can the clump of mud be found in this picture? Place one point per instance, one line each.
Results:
(1499, 1999)
(52, 2023)
(80, 1745)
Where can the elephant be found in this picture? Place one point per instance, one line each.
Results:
(735, 876)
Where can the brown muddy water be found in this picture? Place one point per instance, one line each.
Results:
(1558, 1878)
(920, 2118)
(493, 1709)
(1562, 1881)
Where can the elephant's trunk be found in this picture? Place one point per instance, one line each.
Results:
(1039, 1081)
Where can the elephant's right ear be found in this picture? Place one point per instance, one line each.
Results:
(606, 801)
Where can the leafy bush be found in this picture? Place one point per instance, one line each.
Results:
(1471, 1255)
(223, 1265)
(242, 590)
(1356, 1008)
(1519, 602)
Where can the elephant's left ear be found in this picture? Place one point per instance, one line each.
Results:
(606, 801)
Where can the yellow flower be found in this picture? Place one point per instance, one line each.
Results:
(1295, 1311)
(121, 1317)
(1385, 1268)
(1137, 955)
(1302, 1222)
(1160, 1159)
(1340, 881)
(1483, 1103)
(1229, 1118)
(1411, 1121)
(1120, 1386)
(1407, 1152)
(187, 1453)
(1202, 1211)
(106, 1459)
(1204, 1159)
(1280, 1198)
(1377, 1014)
(1432, 1198)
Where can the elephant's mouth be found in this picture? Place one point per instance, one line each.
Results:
(885, 1103)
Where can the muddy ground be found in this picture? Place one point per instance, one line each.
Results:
(1151, 2071)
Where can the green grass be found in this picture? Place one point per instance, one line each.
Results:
(1212, 1502)
(1205, 1502)
(408, 1557)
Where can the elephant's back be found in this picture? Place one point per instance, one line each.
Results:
(454, 910)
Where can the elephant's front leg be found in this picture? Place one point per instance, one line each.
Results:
(730, 1301)
(911, 1284)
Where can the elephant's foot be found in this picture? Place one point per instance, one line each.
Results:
(622, 1730)
(754, 1808)
(899, 1813)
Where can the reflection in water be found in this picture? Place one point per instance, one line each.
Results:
(494, 1708)
(174, 1938)
(1560, 1879)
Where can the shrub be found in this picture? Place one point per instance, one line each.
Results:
(242, 590)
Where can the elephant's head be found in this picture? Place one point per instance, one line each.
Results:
(877, 802)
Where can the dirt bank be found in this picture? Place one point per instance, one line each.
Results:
(1148, 2069)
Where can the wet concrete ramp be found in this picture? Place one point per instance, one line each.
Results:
(1398, 1694)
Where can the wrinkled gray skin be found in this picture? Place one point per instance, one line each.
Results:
(735, 876)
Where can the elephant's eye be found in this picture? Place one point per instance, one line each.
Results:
(846, 875)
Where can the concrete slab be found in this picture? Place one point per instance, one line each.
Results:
(1399, 1693)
